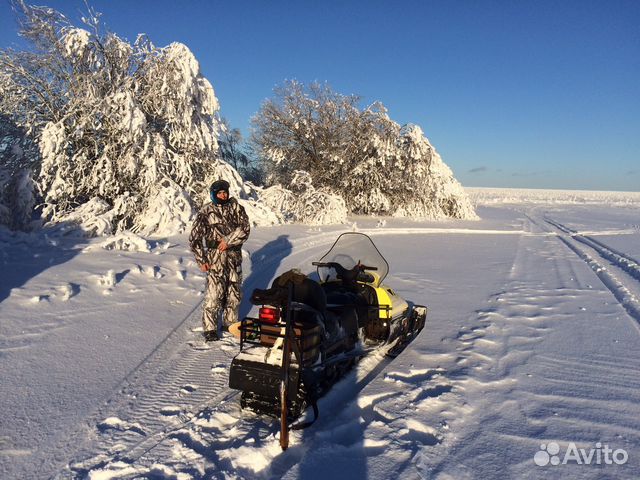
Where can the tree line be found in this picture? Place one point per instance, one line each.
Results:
(87, 115)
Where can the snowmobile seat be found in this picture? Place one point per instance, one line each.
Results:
(305, 290)
(310, 293)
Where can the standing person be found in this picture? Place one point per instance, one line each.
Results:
(216, 239)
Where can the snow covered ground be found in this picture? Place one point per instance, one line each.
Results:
(530, 356)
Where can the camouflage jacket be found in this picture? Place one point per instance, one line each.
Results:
(218, 222)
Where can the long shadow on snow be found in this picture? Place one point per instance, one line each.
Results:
(333, 447)
(25, 256)
(264, 264)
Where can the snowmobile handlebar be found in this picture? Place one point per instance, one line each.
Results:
(339, 268)
(351, 276)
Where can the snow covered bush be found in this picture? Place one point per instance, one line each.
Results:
(320, 207)
(126, 241)
(276, 205)
(167, 212)
(314, 206)
(94, 218)
(373, 163)
(17, 198)
(304, 203)
(279, 200)
(260, 214)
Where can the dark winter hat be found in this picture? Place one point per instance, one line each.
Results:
(218, 186)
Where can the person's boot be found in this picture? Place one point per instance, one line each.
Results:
(210, 336)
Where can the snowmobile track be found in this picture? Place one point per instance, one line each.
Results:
(622, 293)
(620, 259)
(163, 393)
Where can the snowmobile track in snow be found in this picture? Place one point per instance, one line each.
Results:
(166, 390)
(205, 428)
(617, 260)
(621, 260)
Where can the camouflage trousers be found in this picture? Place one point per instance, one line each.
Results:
(223, 294)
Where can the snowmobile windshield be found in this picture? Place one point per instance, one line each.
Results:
(350, 249)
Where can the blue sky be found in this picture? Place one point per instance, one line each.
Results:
(512, 93)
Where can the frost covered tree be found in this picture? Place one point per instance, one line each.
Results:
(119, 126)
(304, 129)
(376, 165)
(425, 185)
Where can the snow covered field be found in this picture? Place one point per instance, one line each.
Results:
(531, 349)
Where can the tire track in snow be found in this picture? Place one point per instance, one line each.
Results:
(125, 392)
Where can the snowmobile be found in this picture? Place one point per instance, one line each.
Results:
(309, 332)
